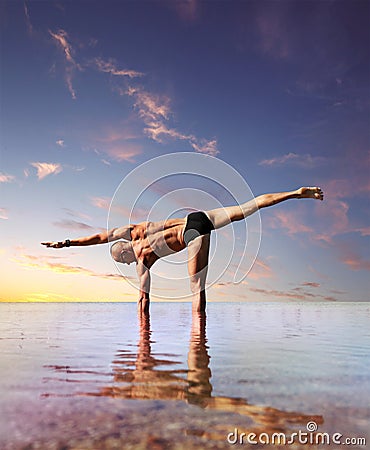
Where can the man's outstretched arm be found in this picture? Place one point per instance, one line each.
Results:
(100, 238)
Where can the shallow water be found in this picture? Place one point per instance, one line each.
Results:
(91, 375)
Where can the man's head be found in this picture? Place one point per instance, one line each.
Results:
(122, 252)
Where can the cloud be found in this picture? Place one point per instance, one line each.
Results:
(124, 152)
(73, 225)
(101, 202)
(296, 294)
(61, 38)
(306, 161)
(109, 66)
(118, 143)
(279, 294)
(260, 269)
(334, 217)
(4, 213)
(60, 142)
(76, 214)
(43, 263)
(150, 106)
(364, 231)
(28, 19)
(5, 178)
(289, 221)
(349, 256)
(273, 38)
(155, 112)
(44, 169)
(105, 203)
(311, 284)
(187, 10)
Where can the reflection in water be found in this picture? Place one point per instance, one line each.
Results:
(145, 375)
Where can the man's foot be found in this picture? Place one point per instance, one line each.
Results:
(311, 192)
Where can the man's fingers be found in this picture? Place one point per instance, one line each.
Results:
(49, 244)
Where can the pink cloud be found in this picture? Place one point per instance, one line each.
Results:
(306, 160)
(124, 152)
(187, 10)
(43, 263)
(204, 146)
(260, 269)
(150, 106)
(61, 38)
(155, 112)
(349, 256)
(28, 19)
(73, 225)
(273, 38)
(311, 284)
(289, 221)
(116, 142)
(364, 231)
(109, 66)
(44, 169)
(4, 213)
(5, 178)
(101, 202)
(121, 210)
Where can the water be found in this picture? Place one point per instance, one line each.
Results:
(91, 375)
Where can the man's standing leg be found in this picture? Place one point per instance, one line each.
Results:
(198, 253)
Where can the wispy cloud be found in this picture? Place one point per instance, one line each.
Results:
(101, 202)
(110, 66)
(155, 112)
(311, 284)
(124, 152)
(306, 161)
(5, 178)
(60, 142)
(121, 210)
(273, 38)
(279, 294)
(44, 263)
(44, 169)
(352, 258)
(61, 39)
(334, 217)
(28, 19)
(260, 269)
(4, 213)
(73, 225)
(289, 221)
(187, 10)
(297, 293)
(76, 214)
(118, 143)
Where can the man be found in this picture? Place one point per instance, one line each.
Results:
(146, 242)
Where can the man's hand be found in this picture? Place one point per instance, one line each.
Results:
(53, 244)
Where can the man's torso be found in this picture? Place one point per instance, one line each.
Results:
(154, 240)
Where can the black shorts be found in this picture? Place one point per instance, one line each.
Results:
(197, 224)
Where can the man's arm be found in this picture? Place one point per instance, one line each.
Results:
(100, 238)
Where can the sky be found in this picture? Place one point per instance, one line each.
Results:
(278, 91)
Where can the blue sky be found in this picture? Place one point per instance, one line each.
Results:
(278, 90)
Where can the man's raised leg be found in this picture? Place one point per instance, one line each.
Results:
(223, 216)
